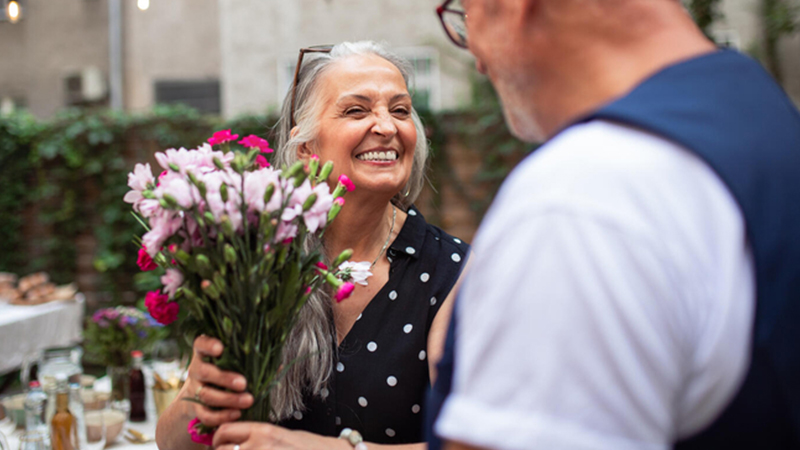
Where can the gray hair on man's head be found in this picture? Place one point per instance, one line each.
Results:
(308, 103)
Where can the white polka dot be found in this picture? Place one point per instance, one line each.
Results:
(410, 250)
(393, 295)
(359, 317)
(425, 277)
(422, 355)
(433, 301)
(362, 401)
(415, 409)
(372, 346)
(390, 259)
(340, 367)
(411, 212)
(390, 432)
(456, 257)
(457, 240)
(391, 381)
(324, 392)
(407, 329)
(339, 420)
(298, 415)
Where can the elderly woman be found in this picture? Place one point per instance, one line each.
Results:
(372, 355)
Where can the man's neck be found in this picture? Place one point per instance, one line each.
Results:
(604, 71)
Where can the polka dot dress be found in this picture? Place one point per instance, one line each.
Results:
(379, 381)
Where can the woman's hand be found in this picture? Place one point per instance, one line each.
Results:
(205, 383)
(264, 436)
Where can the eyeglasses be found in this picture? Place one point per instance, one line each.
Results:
(454, 21)
(303, 51)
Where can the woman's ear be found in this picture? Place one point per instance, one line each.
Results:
(304, 151)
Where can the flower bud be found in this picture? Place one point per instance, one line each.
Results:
(209, 289)
(300, 178)
(332, 280)
(339, 191)
(327, 168)
(171, 201)
(203, 265)
(230, 254)
(313, 165)
(337, 206)
(345, 291)
(344, 256)
(219, 282)
(209, 217)
(174, 167)
(227, 325)
(183, 257)
(269, 193)
(148, 194)
(163, 203)
(192, 178)
(292, 171)
(218, 163)
(309, 202)
(227, 227)
(223, 192)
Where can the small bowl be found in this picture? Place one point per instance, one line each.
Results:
(114, 421)
(15, 408)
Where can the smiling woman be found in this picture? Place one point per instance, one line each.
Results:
(363, 364)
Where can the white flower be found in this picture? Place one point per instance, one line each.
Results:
(358, 272)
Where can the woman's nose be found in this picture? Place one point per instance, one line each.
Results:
(384, 125)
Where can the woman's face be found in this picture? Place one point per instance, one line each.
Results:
(365, 124)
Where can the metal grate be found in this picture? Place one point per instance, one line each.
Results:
(203, 96)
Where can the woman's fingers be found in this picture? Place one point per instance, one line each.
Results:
(208, 373)
(217, 418)
(235, 433)
(221, 399)
(207, 346)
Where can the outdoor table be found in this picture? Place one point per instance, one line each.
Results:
(26, 329)
(148, 428)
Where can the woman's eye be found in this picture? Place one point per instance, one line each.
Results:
(402, 111)
(354, 111)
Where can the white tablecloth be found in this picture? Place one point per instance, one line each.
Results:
(148, 428)
(26, 329)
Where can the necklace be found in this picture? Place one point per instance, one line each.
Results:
(394, 216)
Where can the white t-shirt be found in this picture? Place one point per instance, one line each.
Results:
(610, 302)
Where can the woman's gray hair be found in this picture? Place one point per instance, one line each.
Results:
(309, 352)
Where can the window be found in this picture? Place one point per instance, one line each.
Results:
(425, 90)
(203, 96)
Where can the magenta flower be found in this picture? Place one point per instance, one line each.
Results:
(262, 162)
(339, 201)
(345, 290)
(206, 439)
(159, 306)
(144, 261)
(254, 141)
(221, 137)
(321, 265)
(347, 183)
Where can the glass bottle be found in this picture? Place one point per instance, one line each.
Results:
(137, 391)
(35, 403)
(63, 429)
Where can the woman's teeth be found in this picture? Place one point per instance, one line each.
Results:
(378, 156)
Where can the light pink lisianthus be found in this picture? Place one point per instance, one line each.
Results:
(204, 439)
(139, 180)
(172, 280)
(358, 272)
(255, 185)
(162, 227)
(317, 216)
(179, 188)
(286, 230)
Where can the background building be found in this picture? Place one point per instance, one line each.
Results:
(234, 57)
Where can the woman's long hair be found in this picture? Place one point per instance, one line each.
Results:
(310, 349)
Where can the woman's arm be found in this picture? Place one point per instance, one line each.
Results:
(438, 331)
(171, 430)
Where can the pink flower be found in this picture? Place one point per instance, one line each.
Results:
(172, 248)
(172, 280)
(162, 227)
(159, 306)
(144, 261)
(139, 180)
(339, 201)
(206, 439)
(345, 290)
(256, 184)
(254, 141)
(321, 265)
(286, 230)
(317, 216)
(262, 162)
(220, 137)
(347, 183)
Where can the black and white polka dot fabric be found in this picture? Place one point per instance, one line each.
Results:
(379, 381)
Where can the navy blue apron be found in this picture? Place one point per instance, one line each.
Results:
(727, 110)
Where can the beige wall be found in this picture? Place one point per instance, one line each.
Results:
(53, 39)
(172, 40)
(257, 35)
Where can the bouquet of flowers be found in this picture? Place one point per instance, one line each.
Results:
(229, 230)
(112, 333)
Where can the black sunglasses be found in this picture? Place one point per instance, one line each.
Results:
(303, 51)
(454, 22)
